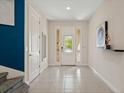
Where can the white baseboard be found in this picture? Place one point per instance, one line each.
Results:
(61, 65)
(11, 72)
(43, 66)
(104, 80)
(27, 82)
(81, 64)
(54, 65)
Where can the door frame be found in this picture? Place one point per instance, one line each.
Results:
(38, 17)
(26, 41)
(76, 27)
(74, 45)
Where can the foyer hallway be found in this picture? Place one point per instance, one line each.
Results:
(69, 79)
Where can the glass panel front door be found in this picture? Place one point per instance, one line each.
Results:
(68, 44)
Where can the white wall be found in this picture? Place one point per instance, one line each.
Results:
(43, 29)
(109, 64)
(53, 26)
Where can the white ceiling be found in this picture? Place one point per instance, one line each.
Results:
(56, 9)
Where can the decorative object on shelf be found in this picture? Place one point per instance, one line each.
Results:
(103, 38)
(107, 41)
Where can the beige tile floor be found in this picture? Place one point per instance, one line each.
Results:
(68, 79)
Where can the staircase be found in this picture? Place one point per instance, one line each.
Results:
(14, 85)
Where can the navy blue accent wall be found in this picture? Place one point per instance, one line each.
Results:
(12, 40)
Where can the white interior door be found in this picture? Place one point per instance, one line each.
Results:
(34, 56)
(68, 46)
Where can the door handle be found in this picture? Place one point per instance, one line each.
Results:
(62, 48)
(30, 54)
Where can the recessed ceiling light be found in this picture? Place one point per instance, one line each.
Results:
(68, 8)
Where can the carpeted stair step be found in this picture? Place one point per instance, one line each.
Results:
(12, 85)
(3, 77)
(22, 89)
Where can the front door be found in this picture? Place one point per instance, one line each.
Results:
(68, 46)
(33, 43)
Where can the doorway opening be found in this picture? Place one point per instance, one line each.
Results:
(68, 46)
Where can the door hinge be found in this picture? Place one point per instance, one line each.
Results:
(39, 66)
(39, 52)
